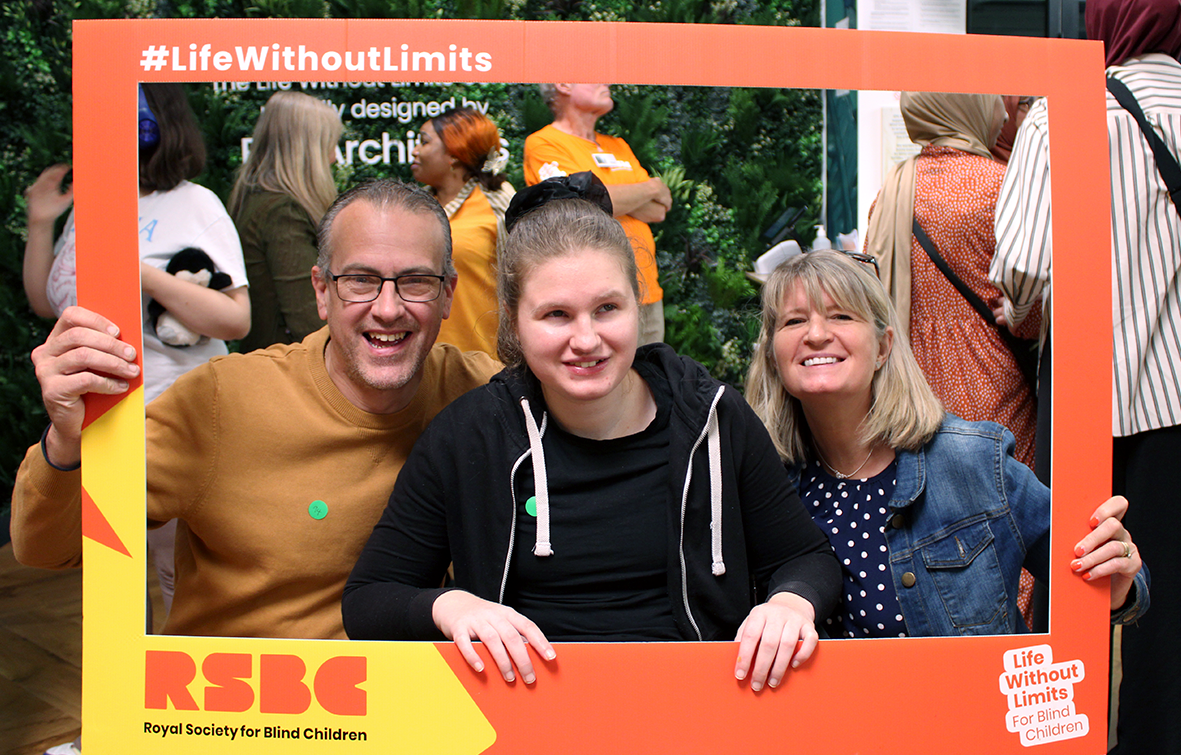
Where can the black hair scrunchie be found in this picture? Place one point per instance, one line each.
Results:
(584, 185)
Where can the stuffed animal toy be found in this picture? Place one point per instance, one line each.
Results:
(193, 265)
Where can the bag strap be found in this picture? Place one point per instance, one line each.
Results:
(1166, 164)
(969, 295)
(933, 252)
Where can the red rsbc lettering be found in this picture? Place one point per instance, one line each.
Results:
(167, 675)
(336, 685)
(280, 685)
(231, 686)
(228, 671)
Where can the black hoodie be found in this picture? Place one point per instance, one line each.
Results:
(453, 503)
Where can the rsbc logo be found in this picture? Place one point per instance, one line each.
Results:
(280, 683)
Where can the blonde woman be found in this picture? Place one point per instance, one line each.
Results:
(930, 516)
(278, 199)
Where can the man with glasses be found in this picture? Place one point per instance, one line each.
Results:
(277, 463)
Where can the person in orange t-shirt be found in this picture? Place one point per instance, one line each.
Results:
(570, 144)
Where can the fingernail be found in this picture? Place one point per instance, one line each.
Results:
(795, 663)
(1094, 521)
(1087, 576)
(509, 677)
(120, 385)
(1078, 550)
(739, 674)
(756, 686)
(529, 679)
(1076, 565)
(550, 654)
(129, 353)
(479, 668)
(113, 330)
(773, 683)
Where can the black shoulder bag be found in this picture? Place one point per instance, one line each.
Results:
(1025, 352)
(1166, 164)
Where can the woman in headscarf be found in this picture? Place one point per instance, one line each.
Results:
(951, 189)
(1142, 43)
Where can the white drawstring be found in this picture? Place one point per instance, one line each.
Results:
(543, 547)
(714, 444)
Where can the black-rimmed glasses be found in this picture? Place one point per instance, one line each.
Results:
(361, 288)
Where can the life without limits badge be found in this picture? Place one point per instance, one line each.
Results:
(1041, 696)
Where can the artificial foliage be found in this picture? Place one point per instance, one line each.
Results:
(734, 159)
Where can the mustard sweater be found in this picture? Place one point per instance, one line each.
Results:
(239, 450)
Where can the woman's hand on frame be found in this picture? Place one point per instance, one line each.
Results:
(507, 635)
(777, 633)
(1108, 550)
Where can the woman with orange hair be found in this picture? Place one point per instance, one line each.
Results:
(459, 156)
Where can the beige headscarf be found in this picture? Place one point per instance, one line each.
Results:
(967, 122)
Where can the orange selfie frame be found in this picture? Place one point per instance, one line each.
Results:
(996, 694)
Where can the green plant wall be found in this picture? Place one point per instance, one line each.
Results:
(735, 159)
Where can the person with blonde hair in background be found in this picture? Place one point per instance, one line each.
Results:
(459, 156)
(280, 194)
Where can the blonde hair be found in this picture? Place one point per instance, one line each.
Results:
(292, 153)
(554, 229)
(904, 412)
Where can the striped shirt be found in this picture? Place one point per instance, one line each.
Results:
(1145, 244)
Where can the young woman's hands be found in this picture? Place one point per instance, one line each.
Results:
(463, 617)
(774, 634)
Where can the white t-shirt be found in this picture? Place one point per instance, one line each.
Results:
(189, 215)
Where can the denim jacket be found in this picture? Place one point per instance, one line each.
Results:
(965, 517)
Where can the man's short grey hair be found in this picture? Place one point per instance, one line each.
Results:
(385, 194)
(549, 94)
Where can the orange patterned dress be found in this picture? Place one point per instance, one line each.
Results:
(964, 358)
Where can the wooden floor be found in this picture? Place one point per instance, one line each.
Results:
(40, 656)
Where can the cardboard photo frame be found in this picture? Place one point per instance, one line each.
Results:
(911, 695)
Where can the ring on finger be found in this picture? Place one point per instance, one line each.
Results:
(1127, 549)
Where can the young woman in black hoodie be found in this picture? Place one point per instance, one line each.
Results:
(593, 490)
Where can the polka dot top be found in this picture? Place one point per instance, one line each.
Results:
(853, 515)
